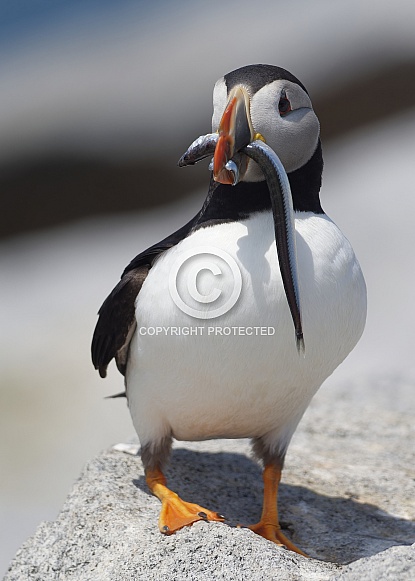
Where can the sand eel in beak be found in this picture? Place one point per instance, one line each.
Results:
(236, 140)
(264, 193)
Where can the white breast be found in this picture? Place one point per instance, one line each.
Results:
(207, 385)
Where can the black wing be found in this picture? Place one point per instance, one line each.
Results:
(116, 323)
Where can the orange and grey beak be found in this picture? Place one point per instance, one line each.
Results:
(235, 132)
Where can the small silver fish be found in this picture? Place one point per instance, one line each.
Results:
(201, 147)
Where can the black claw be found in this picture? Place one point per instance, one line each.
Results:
(202, 515)
(220, 516)
(166, 529)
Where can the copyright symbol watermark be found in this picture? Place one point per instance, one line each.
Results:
(205, 282)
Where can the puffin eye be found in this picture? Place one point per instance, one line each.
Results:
(284, 106)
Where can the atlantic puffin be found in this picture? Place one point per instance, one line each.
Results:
(297, 276)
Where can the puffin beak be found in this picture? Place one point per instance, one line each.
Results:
(235, 132)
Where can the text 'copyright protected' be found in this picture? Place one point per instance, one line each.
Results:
(215, 331)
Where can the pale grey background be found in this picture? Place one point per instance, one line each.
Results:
(130, 84)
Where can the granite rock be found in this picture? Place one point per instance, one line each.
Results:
(347, 499)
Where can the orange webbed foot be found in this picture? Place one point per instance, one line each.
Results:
(176, 514)
(273, 533)
(269, 527)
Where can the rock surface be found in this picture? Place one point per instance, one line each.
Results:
(347, 499)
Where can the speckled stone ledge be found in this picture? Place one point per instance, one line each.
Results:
(347, 499)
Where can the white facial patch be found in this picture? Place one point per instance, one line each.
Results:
(292, 136)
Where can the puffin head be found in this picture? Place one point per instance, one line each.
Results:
(262, 102)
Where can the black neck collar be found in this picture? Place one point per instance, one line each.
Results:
(226, 203)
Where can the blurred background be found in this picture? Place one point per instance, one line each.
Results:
(98, 101)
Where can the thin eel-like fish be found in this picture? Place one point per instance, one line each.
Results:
(284, 224)
(282, 211)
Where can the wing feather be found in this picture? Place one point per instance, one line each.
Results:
(116, 322)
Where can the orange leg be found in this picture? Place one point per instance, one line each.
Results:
(269, 526)
(175, 513)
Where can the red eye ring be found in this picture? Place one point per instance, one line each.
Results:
(284, 105)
